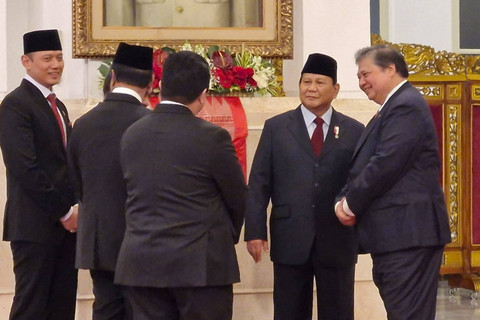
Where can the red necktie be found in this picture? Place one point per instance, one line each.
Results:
(51, 98)
(317, 136)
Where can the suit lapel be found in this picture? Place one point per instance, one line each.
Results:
(331, 140)
(368, 129)
(300, 133)
(44, 106)
(374, 121)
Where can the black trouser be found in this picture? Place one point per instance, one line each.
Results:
(109, 301)
(195, 303)
(408, 282)
(45, 280)
(293, 291)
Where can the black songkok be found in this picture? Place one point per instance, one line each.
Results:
(321, 64)
(41, 40)
(137, 57)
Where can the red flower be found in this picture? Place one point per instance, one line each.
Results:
(159, 57)
(252, 82)
(158, 72)
(221, 59)
(225, 77)
(243, 76)
(240, 77)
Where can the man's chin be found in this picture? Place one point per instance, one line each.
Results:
(54, 81)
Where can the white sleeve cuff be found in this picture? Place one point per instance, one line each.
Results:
(347, 209)
(67, 216)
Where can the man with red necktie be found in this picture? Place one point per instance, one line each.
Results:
(39, 222)
(301, 163)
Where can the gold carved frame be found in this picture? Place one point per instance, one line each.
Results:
(93, 40)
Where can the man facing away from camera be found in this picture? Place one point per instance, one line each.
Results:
(185, 205)
(94, 161)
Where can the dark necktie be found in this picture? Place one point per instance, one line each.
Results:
(53, 104)
(317, 136)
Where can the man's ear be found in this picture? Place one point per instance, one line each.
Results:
(392, 70)
(25, 61)
(197, 105)
(203, 97)
(113, 79)
(336, 90)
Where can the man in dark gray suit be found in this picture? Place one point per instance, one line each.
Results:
(300, 166)
(94, 160)
(185, 206)
(394, 194)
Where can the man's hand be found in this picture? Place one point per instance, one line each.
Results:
(255, 248)
(71, 223)
(344, 218)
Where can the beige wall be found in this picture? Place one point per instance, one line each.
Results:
(253, 296)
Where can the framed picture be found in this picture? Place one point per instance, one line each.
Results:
(264, 27)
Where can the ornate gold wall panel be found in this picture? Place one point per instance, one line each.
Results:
(476, 92)
(433, 91)
(476, 259)
(452, 169)
(454, 91)
(426, 64)
(452, 259)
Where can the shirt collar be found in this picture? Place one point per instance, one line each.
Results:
(172, 102)
(44, 90)
(392, 92)
(128, 91)
(308, 116)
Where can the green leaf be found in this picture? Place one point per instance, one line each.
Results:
(168, 50)
(212, 49)
(104, 68)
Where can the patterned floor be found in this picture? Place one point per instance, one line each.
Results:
(459, 306)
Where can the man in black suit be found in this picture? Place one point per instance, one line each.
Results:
(185, 205)
(39, 218)
(393, 194)
(94, 160)
(302, 178)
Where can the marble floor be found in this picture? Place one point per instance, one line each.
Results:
(458, 306)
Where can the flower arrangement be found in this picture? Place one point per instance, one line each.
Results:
(231, 74)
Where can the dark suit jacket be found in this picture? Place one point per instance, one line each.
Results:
(186, 201)
(94, 159)
(394, 187)
(39, 191)
(302, 188)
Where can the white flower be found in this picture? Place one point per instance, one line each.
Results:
(256, 62)
(261, 78)
(186, 47)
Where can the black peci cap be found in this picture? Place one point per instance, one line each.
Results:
(41, 40)
(137, 57)
(321, 64)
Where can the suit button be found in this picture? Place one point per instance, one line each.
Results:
(316, 184)
(316, 165)
(313, 206)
